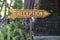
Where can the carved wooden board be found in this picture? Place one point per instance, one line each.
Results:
(28, 13)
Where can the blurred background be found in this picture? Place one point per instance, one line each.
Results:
(18, 28)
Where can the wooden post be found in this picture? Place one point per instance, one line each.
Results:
(30, 29)
(29, 4)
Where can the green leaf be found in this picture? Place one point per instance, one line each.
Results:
(18, 4)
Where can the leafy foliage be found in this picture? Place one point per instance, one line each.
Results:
(18, 4)
(13, 31)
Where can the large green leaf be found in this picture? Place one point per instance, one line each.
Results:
(18, 4)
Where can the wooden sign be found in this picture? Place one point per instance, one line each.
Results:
(28, 13)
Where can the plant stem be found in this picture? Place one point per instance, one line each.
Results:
(8, 33)
(2, 36)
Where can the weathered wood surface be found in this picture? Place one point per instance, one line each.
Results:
(28, 13)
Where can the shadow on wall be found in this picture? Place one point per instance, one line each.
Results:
(47, 26)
